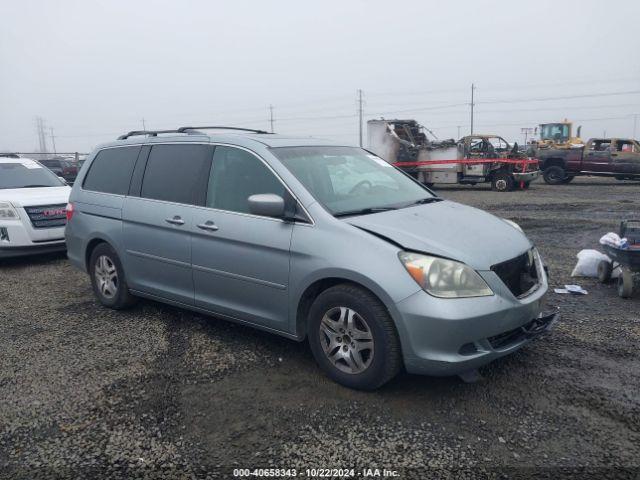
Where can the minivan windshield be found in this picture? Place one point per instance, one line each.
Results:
(349, 180)
(26, 174)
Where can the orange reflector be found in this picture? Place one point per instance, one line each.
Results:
(416, 272)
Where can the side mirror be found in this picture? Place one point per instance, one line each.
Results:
(267, 205)
(63, 180)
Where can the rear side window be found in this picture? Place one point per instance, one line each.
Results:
(174, 173)
(110, 171)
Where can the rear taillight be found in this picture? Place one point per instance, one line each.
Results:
(69, 211)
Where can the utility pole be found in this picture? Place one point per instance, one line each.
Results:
(53, 139)
(526, 131)
(458, 131)
(473, 87)
(360, 115)
(635, 123)
(144, 126)
(271, 117)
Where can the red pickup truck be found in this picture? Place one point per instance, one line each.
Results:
(606, 157)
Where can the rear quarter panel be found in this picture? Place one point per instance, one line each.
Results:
(97, 216)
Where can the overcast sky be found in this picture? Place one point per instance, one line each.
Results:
(95, 69)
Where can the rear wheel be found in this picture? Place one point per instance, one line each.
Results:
(502, 182)
(108, 279)
(604, 271)
(568, 179)
(554, 175)
(353, 338)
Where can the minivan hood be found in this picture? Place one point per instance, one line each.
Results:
(26, 197)
(448, 229)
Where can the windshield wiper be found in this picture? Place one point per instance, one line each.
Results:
(33, 186)
(364, 211)
(423, 201)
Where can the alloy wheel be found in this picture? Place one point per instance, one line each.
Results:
(346, 340)
(106, 276)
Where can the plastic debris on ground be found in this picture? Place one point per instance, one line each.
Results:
(573, 289)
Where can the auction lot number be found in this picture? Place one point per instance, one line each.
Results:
(313, 472)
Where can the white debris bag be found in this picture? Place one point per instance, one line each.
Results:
(614, 240)
(588, 261)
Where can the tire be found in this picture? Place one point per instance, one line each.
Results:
(502, 182)
(604, 271)
(379, 358)
(625, 284)
(568, 179)
(108, 278)
(554, 175)
(526, 185)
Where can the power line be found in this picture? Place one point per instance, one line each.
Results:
(509, 86)
(566, 97)
(534, 122)
(422, 109)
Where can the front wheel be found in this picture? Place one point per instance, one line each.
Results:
(502, 182)
(625, 284)
(107, 278)
(353, 338)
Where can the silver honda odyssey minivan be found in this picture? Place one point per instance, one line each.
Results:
(308, 239)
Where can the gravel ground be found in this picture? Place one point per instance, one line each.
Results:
(160, 392)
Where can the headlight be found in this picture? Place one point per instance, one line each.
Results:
(7, 212)
(444, 278)
(514, 225)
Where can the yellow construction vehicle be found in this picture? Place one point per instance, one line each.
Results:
(559, 135)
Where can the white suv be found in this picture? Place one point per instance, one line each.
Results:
(32, 208)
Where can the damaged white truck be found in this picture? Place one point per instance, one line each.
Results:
(472, 159)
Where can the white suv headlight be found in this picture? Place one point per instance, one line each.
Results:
(7, 212)
(444, 278)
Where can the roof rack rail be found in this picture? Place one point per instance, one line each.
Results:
(186, 129)
(154, 133)
(151, 133)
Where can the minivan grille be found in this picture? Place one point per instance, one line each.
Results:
(519, 274)
(47, 216)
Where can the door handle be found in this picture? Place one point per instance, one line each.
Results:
(208, 225)
(175, 220)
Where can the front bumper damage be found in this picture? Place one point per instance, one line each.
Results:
(443, 337)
